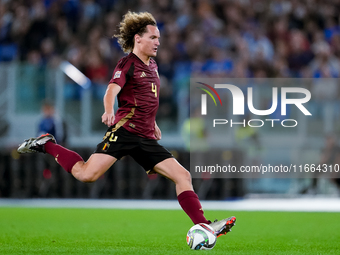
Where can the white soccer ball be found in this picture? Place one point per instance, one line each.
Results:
(201, 237)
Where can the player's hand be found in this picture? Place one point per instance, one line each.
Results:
(108, 119)
(158, 132)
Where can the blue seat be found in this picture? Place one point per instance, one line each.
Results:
(8, 52)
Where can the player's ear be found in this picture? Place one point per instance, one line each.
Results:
(137, 38)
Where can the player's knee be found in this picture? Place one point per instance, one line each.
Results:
(182, 176)
(186, 176)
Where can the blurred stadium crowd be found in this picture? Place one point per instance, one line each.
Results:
(202, 38)
(214, 38)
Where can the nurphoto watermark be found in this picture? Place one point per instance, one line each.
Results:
(262, 128)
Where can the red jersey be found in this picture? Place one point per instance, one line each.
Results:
(138, 99)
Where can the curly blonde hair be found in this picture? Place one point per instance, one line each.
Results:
(133, 23)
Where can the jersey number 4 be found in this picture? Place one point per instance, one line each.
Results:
(154, 89)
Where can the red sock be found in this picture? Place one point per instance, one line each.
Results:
(66, 158)
(192, 207)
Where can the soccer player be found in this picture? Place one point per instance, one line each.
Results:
(132, 130)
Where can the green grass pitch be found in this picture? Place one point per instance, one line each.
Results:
(113, 231)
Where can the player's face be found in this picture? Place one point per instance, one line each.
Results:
(149, 42)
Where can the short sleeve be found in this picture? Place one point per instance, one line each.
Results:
(119, 75)
(122, 72)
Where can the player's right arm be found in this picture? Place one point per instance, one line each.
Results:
(109, 99)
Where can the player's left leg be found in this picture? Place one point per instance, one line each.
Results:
(186, 196)
(72, 162)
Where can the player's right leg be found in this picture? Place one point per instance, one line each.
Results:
(222, 227)
(72, 162)
(187, 198)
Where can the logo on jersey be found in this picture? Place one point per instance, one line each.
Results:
(106, 147)
(143, 74)
(117, 75)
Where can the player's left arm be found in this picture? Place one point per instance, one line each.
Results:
(158, 132)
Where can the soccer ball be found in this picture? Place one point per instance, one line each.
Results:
(201, 237)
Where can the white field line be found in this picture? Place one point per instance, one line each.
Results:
(284, 204)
